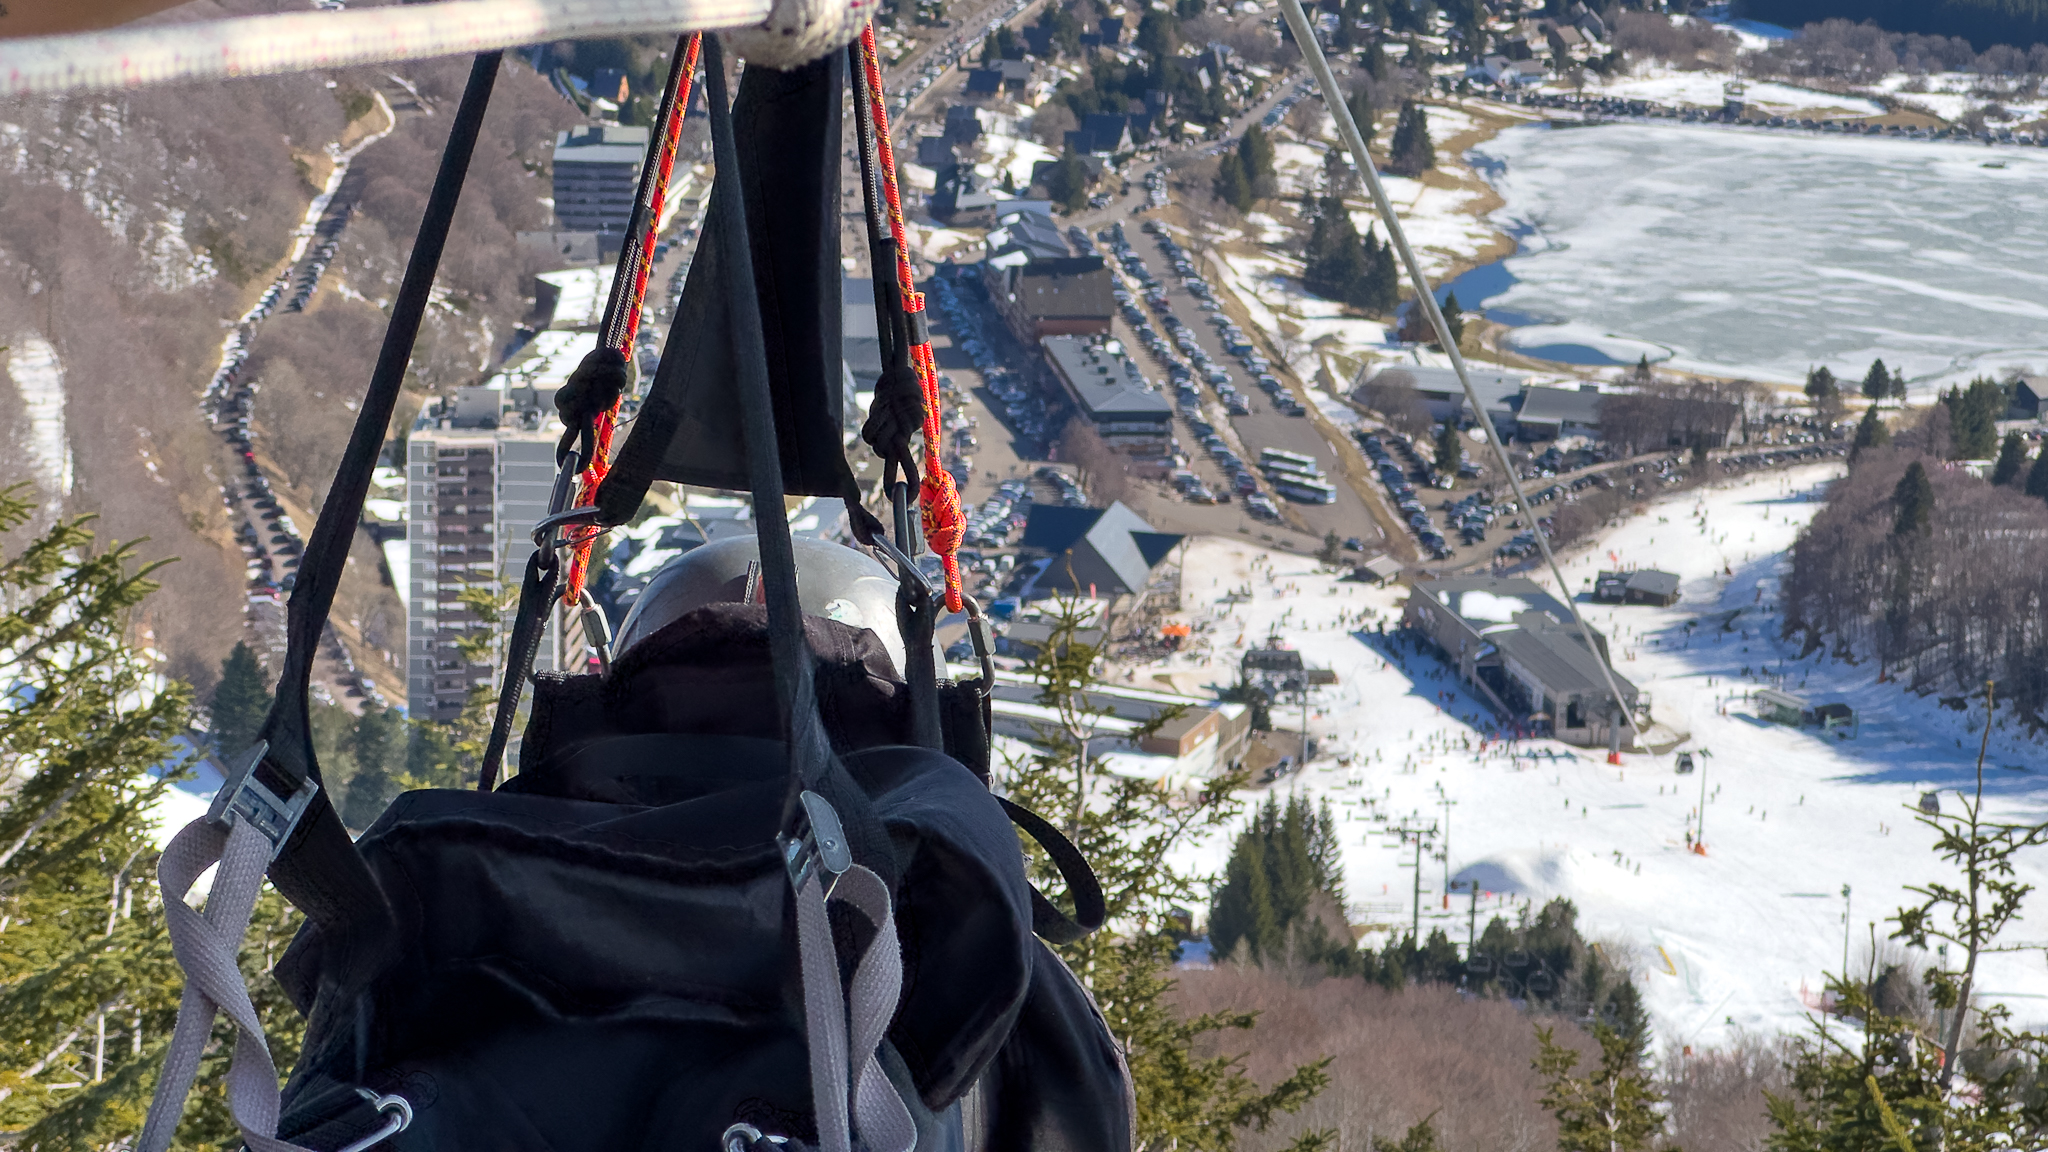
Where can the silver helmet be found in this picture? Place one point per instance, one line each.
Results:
(834, 581)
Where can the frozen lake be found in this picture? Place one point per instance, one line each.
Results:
(1760, 253)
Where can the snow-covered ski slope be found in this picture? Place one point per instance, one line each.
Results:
(1739, 938)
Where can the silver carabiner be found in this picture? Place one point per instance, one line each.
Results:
(397, 1118)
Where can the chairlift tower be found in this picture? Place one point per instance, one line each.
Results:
(1419, 833)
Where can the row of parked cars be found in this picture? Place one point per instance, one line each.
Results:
(1243, 481)
(1395, 460)
(1022, 407)
(1000, 516)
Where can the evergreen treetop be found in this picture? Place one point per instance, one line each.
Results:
(1871, 432)
(1450, 448)
(1232, 185)
(1973, 419)
(1912, 502)
(2012, 456)
(241, 701)
(2037, 476)
(1411, 153)
(1877, 383)
(1820, 384)
(1617, 1108)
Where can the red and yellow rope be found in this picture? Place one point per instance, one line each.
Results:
(600, 463)
(940, 514)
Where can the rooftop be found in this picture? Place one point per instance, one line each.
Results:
(601, 144)
(1560, 405)
(1100, 386)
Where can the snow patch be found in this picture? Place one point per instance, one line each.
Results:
(39, 378)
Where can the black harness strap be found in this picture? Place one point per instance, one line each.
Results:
(536, 602)
(1051, 924)
(318, 869)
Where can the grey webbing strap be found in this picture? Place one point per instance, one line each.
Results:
(207, 946)
(879, 1114)
(824, 1015)
(844, 1072)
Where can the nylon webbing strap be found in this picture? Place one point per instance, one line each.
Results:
(1090, 910)
(207, 946)
(318, 869)
(536, 603)
(791, 656)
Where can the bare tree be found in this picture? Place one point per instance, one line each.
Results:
(1392, 394)
(1104, 472)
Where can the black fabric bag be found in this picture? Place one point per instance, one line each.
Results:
(601, 954)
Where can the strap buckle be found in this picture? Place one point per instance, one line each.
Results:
(822, 842)
(266, 798)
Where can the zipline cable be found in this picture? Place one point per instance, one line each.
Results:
(1425, 299)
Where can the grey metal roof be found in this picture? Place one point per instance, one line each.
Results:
(1100, 387)
(1557, 657)
(1486, 600)
(1560, 406)
(1653, 583)
(1124, 543)
(1071, 287)
(1495, 388)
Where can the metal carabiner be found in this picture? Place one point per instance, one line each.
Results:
(397, 1118)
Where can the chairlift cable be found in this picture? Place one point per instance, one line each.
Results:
(1425, 299)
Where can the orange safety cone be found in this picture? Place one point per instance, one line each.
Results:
(1699, 848)
(1614, 758)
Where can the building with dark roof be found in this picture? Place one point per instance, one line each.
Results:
(1129, 416)
(2029, 399)
(1643, 586)
(596, 176)
(934, 152)
(984, 82)
(1554, 413)
(961, 198)
(1100, 552)
(1517, 646)
(963, 125)
(1101, 134)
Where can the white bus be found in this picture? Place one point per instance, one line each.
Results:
(1303, 490)
(1276, 469)
(1298, 459)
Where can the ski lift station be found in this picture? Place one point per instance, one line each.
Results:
(1516, 645)
(1793, 711)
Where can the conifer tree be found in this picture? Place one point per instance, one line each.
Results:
(1973, 419)
(1820, 385)
(1232, 185)
(2012, 456)
(1255, 152)
(1285, 868)
(1420, 1137)
(379, 744)
(1614, 1109)
(241, 701)
(88, 985)
(1454, 317)
(1381, 293)
(1450, 448)
(1338, 264)
(1376, 64)
(2037, 476)
(1877, 383)
(1129, 830)
(1871, 432)
(1912, 502)
(1411, 153)
(1360, 104)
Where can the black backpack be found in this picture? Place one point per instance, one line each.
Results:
(751, 888)
(602, 953)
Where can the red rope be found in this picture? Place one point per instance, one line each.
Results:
(600, 463)
(938, 496)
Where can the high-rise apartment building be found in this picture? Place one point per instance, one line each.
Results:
(597, 174)
(479, 469)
